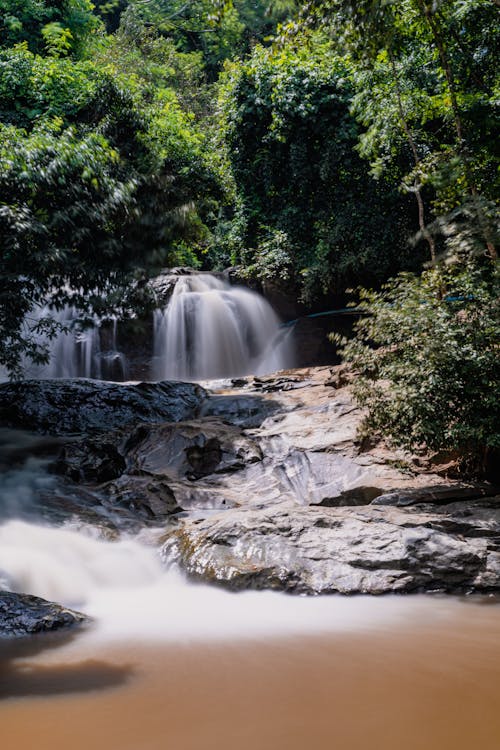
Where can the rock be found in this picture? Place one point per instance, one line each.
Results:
(439, 495)
(355, 496)
(192, 450)
(286, 439)
(73, 406)
(18, 446)
(90, 461)
(247, 411)
(262, 483)
(163, 285)
(312, 343)
(370, 550)
(22, 615)
(148, 498)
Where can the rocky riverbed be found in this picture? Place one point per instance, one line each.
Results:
(256, 483)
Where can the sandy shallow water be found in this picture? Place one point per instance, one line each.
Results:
(430, 682)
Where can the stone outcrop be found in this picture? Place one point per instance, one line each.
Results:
(262, 483)
(370, 550)
(321, 513)
(22, 615)
(59, 407)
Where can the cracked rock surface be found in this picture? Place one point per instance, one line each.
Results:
(261, 483)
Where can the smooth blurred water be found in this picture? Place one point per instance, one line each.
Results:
(211, 329)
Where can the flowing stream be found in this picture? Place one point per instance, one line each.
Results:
(167, 663)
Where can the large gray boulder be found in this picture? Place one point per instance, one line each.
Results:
(368, 550)
(60, 407)
(23, 614)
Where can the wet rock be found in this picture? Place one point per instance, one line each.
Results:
(18, 446)
(247, 411)
(369, 550)
(355, 496)
(77, 504)
(90, 461)
(192, 450)
(149, 498)
(22, 615)
(163, 285)
(437, 495)
(72, 406)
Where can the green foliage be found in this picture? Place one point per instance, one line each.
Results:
(149, 63)
(217, 29)
(291, 144)
(196, 26)
(102, 179)
(110, 11)
(426, 74)
(273, 260)
(426, 360)
(60, 27)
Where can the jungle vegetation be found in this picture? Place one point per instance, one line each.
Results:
(324, 146)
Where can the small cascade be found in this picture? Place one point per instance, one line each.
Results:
(79, 352)
(113, 363)
(211, 329)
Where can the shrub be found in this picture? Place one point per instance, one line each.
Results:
(426, 359)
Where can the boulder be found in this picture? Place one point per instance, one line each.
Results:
(22, 615)
(76, 405)
(369, 550)
(94, 460)
(438, 495)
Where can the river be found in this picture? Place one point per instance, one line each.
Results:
(180, 666)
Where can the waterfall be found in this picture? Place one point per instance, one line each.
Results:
(72, 352)
(113, 363)
(210, 329)
(77, 351)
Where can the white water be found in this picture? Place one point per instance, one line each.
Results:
(210, 330)
(124, 586)
(74, 351)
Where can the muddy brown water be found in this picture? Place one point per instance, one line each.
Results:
(432, 683)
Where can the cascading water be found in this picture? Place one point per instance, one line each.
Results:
(72, 352)
(128, 587)
(211, 329)
(76, 351)
(123, 585)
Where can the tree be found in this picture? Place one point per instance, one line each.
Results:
(61, 27)
(98, 182)
(292, 148)
(426, 364)
(454, 44)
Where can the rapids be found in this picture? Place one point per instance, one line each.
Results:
(130, 592)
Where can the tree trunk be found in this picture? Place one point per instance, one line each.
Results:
(416, 185)
(437, 36)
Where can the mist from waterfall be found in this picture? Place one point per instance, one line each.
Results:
(210, 329)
